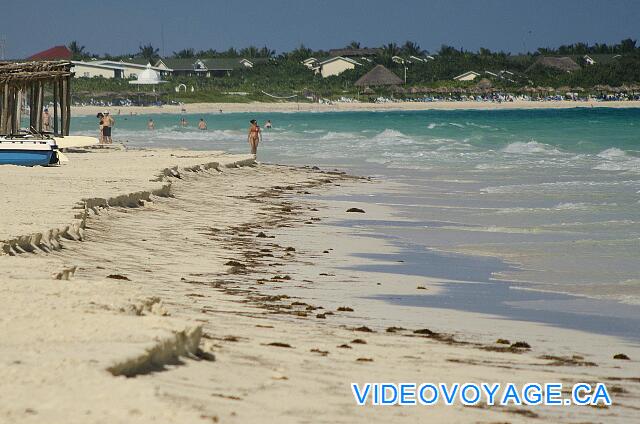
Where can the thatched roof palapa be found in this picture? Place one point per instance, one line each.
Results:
(378, 76)
(349, 52)
(484, 84)
(26, 82)
(560, 63)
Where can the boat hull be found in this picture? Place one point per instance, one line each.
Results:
(22, 158)
(27, 153)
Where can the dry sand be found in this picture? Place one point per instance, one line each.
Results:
(337, 107)
(220, 324)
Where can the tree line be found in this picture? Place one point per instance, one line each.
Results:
(409, 48)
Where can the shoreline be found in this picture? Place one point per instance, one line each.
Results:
(291, 107)
(154, 272)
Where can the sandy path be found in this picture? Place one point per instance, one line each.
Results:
(60, 336)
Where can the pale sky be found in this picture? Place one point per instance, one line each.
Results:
(118, 26)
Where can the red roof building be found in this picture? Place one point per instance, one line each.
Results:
(54, 53)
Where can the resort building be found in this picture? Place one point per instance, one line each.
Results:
(467, 76)
(216, 67)
(91, 70)
(111, 68)
(311, 62)
(335, 66)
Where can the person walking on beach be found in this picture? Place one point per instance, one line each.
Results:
(202, 125)
(46, 121)
(151, 125)
(254, 136)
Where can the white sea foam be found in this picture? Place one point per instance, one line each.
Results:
(390, 133)
(493, 166)
(558, 186)
(528, 148)
(392, 137)
(612, 153)
(632, 165)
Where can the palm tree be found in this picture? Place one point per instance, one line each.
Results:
(301, 53)
(410, 48)
(185, 54)
(148, 52)
(544, 51)
(627, 46)
(390, 50)
(231, 52)
(211, 53)
(77, 50)
(387, 52)
(249, 52)
(266, 52)
(447, 50)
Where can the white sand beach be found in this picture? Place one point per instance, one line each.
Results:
(196, 287)
(337, 107)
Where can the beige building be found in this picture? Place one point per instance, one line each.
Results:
(91, 70)
(334, 66)
(467, 76)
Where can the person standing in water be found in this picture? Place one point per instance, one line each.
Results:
(268, 124)
(151, 125)
(183, 122)
(254, 136)
(202, 125)
(107, 126)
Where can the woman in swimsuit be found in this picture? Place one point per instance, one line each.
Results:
(254, 136)
(100, 116)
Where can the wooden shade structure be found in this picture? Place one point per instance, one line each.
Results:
(378, 76)
(27, 82)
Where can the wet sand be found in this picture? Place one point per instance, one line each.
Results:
(205, 288)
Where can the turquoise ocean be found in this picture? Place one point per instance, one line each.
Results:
(544, 201)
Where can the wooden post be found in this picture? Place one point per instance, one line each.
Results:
(4, 118)
(19, 96)
(11, 110)
(1, 108)
(68, 105)
(32, 105)
(39, 105)
(63, 107)
(55, 108)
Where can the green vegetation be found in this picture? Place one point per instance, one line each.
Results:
(616, 65)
